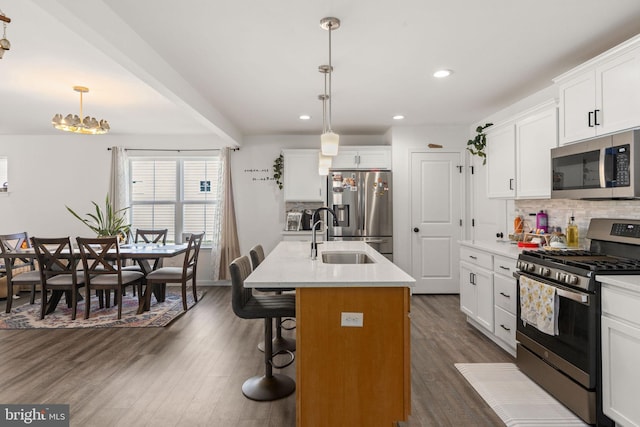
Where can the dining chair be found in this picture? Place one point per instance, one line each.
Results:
(103, 271)
(248, 305)
(58, 273)
(279, 342)
(19, 271)
(178, 274)
(148, 236)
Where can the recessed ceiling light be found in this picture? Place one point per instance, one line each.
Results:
(304, 117)
(442, 73)
(398, 117)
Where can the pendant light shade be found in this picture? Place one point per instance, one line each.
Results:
(324, 164)
(329, 143)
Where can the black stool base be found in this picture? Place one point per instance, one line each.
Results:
(280, 345)
(263, 388)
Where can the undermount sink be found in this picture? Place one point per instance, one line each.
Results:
(346, 257)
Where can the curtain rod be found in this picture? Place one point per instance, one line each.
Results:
(175, 149)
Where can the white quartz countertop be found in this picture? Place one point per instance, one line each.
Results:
(503, 248)
(629, 282)
(289, 265)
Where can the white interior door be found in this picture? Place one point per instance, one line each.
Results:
(436, 214)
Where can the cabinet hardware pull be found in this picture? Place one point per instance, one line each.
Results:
(473, 257)
(505, 328)
(595, 117)
(511, 184)
(589, 116)
(505, 295)
(505, 268)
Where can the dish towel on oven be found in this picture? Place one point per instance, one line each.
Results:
(539, 305)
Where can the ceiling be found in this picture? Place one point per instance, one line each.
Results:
(250, 67)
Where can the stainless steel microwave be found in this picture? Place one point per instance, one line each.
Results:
(601, 168)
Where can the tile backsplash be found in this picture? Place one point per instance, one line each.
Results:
(560, 210)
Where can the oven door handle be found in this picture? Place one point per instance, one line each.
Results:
(563, 292)
(574, 296)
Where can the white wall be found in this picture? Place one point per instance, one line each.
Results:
(404, 141)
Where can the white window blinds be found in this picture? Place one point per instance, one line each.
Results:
(181, 195)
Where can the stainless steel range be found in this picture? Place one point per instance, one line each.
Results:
(566, 361)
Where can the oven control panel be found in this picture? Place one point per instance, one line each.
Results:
(625, 230)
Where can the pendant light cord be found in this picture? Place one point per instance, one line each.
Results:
(330, 73)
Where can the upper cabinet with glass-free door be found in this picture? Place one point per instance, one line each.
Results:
(363, 157)
(301, 180)
(519, 154)
(601, 96)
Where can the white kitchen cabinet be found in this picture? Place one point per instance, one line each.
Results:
(488, 290)
(364, 157)
(504, 295)
(476, 286)
(620, 353)
(601, 96)
(519, 154)
(536, 135)
(301, 181)
(501, 164)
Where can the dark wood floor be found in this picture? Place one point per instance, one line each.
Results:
(190, 373)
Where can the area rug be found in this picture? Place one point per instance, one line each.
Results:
(27, 316)
(515, 398)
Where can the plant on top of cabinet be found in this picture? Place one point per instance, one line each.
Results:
(277, 170)
(477, 145)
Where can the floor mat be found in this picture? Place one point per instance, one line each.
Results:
(515, 398)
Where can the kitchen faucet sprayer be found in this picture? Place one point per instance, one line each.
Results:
(314, 227)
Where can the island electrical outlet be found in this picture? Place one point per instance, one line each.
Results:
(352, 320)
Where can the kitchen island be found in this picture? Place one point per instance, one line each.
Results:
(352, 331)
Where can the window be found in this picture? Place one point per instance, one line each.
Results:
(4, 175)
(179, 194)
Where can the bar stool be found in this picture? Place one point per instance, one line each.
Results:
(245, 305)
(280, 343)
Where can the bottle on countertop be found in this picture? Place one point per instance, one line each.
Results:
(542, 221)
(518, 224)
(572, 233)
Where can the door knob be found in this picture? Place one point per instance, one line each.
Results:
(416, 229)
(499, 235)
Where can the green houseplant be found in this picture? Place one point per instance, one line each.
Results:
(277, 170)
(107, 222)
(477, 145)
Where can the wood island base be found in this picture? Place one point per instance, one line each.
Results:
(352, 376)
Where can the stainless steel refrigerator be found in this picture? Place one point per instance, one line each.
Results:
(363, 205)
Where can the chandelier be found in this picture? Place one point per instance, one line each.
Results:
(329, 140)
(73, 123)
(4, 43)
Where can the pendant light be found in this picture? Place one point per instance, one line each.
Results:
(324, 161)
(329, 140)
(4, 43)
(77, 124)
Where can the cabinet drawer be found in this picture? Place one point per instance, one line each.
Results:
(472, 256)
(504, 293)
(503, 265)
(621, 303)
(505, 328)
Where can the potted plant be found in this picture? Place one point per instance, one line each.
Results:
(105, 222)
(477, 145)
(277, 170)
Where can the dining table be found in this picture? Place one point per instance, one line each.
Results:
(143, 254)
